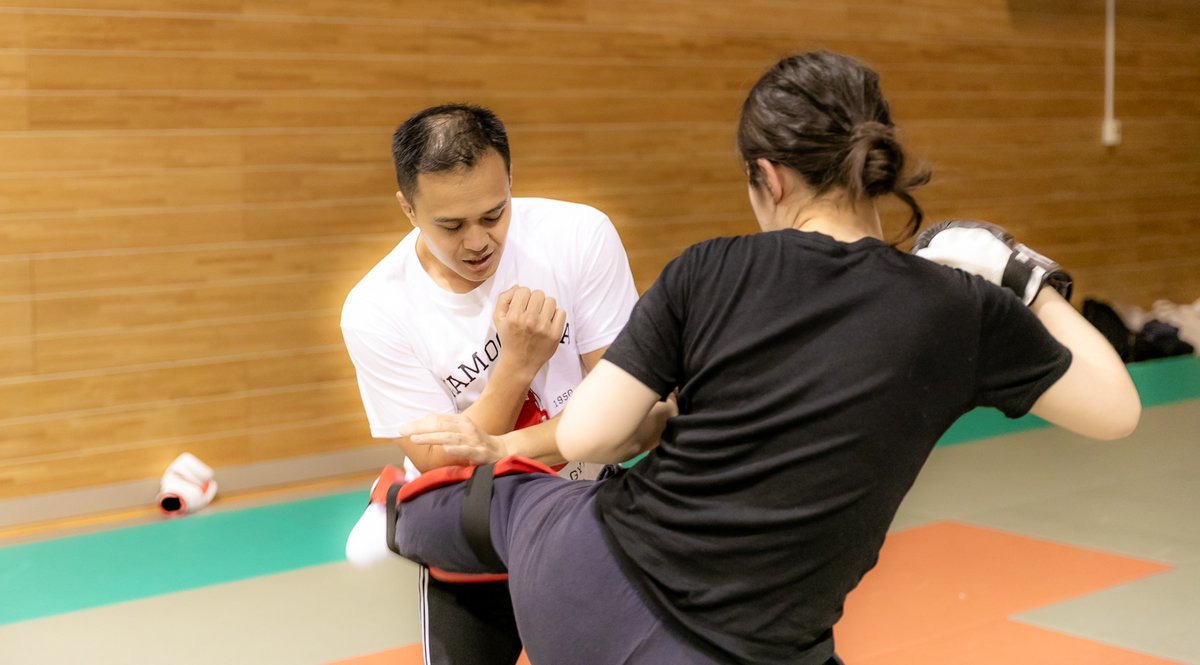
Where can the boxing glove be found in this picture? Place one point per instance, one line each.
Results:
(187, 486)
(991, 252)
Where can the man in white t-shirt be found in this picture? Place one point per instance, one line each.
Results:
(493, 307)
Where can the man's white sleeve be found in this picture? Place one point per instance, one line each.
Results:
(395, 388)
(606, 293)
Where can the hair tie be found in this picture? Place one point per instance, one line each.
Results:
(871, 130)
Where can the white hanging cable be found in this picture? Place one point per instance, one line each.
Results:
(1110, 132)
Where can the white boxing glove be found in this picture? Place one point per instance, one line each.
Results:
(187, 486)
(989, 251)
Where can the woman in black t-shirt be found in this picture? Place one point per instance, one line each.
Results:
(814, 367)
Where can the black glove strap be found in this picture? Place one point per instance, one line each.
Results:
(1060, 281)
(1020, 269)
(1016, 275)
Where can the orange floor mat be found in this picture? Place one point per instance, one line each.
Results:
(942, 595)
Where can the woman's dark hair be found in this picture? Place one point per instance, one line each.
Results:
(445, 138)
(823, 115)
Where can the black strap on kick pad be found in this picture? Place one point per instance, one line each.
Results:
(391, 517)
(477, 517)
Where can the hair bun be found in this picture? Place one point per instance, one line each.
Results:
(874, 148)
(822, 115)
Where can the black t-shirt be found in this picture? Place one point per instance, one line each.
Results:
(813, 379)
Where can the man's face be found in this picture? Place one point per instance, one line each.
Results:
(463, 217)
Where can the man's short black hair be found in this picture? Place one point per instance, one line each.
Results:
(445, 138)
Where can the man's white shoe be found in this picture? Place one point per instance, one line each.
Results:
(367, 544)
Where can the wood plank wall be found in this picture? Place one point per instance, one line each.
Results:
(188, 188)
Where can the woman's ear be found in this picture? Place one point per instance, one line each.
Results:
(772, 177)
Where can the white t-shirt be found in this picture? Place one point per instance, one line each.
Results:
(418, 348)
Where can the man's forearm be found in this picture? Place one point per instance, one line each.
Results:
(427, 458)
(495, 412)
(498, 406)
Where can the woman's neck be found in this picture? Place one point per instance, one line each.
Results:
(832, 215)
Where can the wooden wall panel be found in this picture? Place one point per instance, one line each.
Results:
(16, 318)
(12, 72)
(97, 229)
(447, 12)
(16, 357)
(378, 216)
(165, 72)
(61, 110)
(134, 388)
(14, 109)
(180, 33)
(317, 183)
(189, 187)
(34, 153)
(217, 341)
(329, 435)
(150, 426)
(54, 192)
(129, 428)
(303, 367)
(332, 399)
(12, 69)
(206, 264)
(57, 394)
(14, 30)
(15, 277)
(128, 229)
(55, 7)
(92, 311)
(358, 146)
(60, 472)
(56, 472)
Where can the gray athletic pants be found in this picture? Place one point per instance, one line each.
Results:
(573, 604)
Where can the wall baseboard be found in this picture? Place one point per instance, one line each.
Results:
(260, 475)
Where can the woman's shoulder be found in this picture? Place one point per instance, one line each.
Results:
(722, 246)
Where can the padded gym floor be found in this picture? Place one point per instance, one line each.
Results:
(1020, 543)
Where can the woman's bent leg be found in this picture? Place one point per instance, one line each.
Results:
(573, 604)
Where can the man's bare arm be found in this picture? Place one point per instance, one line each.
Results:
(458, 436)
(530, 327)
